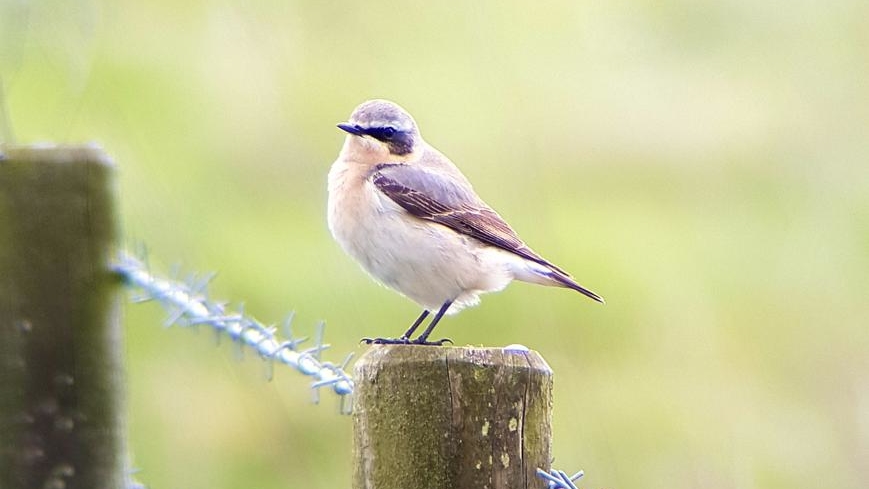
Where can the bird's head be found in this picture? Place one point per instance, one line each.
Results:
(381, 130)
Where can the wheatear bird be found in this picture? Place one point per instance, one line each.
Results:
(413, 221)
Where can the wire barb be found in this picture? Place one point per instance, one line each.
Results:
(558, 479)
(188, 305)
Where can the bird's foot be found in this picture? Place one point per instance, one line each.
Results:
(386, 341)
(405, 341)
(425, 342)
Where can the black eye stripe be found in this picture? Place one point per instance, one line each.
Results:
(382, 133)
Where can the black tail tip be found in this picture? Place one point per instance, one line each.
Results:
(597, 298)
(567, 281)
(591, 295)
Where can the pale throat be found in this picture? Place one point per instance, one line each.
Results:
(369, 151)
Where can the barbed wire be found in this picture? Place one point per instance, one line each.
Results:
(188, 304)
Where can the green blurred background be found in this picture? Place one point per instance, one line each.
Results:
(703, 165)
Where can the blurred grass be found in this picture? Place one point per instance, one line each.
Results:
(700, 164)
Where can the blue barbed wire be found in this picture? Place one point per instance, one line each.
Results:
(188, 304)
(558, 479)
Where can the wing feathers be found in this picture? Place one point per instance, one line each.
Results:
(433, 197)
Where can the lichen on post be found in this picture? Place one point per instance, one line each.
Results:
(450, 417)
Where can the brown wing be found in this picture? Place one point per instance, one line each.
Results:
(433, 197)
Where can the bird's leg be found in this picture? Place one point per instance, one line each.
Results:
(422, 339)
(412, 328)
(405, 338)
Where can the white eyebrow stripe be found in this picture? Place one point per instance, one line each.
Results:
(386, 123)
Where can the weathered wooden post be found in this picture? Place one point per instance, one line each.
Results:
(61, 424)
(451, 418)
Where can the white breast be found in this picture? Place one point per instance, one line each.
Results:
(424, 261)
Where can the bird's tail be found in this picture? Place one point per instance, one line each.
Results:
(566, 280)
(549, 274)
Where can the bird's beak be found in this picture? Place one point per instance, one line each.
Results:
(352, 129)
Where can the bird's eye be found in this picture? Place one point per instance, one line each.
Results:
(388, 132)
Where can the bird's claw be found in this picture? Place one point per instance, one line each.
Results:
(405, 341)
(385, 341)
(439, 342)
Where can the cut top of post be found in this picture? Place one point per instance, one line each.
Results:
(49, 153)
(479, 356)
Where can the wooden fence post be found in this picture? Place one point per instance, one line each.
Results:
(61, 423)
(450, 418)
